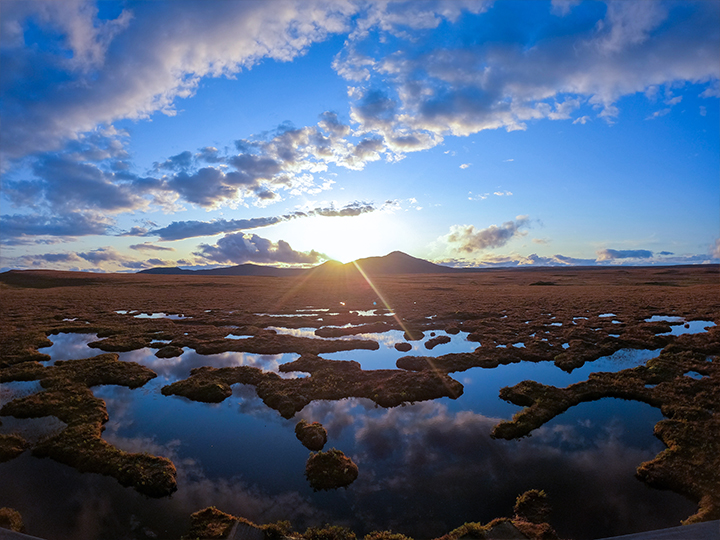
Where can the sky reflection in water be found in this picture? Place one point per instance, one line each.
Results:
(424, 468)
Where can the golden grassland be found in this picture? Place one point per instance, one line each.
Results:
(497, 307)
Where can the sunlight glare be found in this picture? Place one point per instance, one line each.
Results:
(346, 238)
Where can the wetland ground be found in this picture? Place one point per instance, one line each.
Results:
(193, 386)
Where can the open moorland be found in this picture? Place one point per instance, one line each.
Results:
(566, 318)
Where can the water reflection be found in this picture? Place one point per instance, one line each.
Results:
(387, 355)
(424, 468)
(180, 367)
(74, 346)
(692, 327)
(30, 429)
(70, 347)
(431, 468)
(667, 318)
(174, 317)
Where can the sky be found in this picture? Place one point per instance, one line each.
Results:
(465, 132)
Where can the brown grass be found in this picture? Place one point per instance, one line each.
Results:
(330, 470)
(497, 307)
(68, 397)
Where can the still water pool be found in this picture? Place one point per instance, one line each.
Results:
(425, 468)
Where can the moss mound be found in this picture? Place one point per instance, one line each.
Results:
(329, 380)
(68, 397)
(329, 532)
(330, 470)
(11, 446)
(11, 519)
(312, 436)
(210, 523)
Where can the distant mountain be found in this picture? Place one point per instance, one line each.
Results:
(239, 270)
(396, 262)
(252, 270)
(166, 270)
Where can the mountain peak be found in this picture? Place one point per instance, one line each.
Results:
(398, 262)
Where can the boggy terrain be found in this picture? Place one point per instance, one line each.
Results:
(569, 316)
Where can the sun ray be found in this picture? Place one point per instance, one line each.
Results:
(430, 361)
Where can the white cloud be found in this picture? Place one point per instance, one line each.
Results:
(715, 250)
(242, 248)
(466, 89)
(145, 60)
(563, 7)
(658, 114)
(613, 254)
(468, 239)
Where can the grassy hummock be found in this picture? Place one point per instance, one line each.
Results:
(213, 524)
(690, 464)
(11, 446)
(313, 436)
(329, 380)
(330, 470)
(11, 519)
(68, 397)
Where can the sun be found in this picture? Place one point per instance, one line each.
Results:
(345, 239)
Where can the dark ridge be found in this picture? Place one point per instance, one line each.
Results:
(396, 262)
(168, 270)
(44, 279)
(252, 270)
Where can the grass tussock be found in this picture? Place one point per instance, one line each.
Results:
(68, 397)
(12, 520)
(330, 470)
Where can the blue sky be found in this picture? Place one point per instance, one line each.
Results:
(472, 133)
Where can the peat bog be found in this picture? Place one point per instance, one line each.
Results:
(185, 392)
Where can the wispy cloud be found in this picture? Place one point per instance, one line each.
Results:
(483, 196)
(150, 247)
(658, 114)
(102, 259)
(179, 230)
(715, 250)
(26, 227)
(515, 259)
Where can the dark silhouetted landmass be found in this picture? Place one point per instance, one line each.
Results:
(170, 270)
(239, 270)
(396, 262)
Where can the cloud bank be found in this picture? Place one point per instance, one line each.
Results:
(242, 248)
